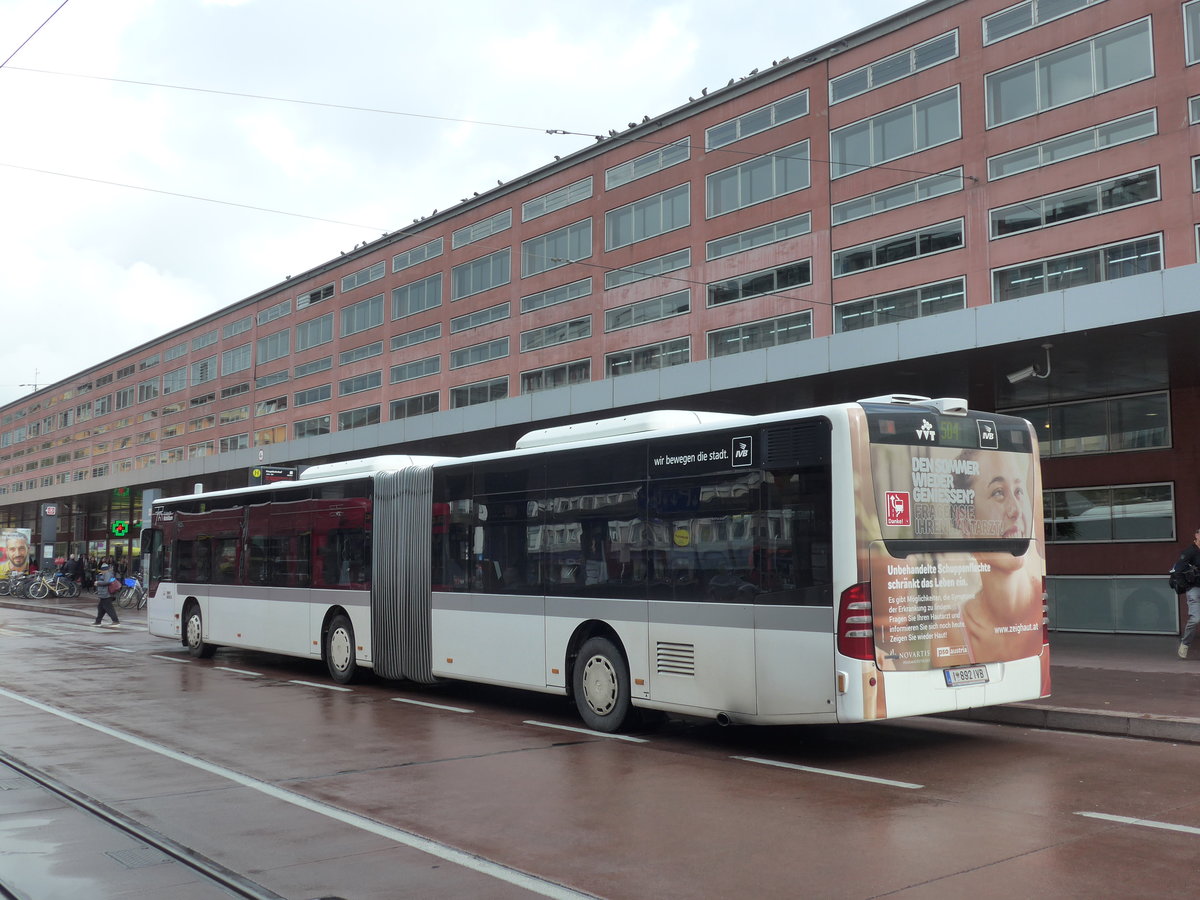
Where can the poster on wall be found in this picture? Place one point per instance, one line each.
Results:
(16, 554)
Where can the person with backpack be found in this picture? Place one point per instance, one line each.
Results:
(1185, 576)
(107, 586)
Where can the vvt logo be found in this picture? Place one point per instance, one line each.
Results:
(926, 432)
(742, 451)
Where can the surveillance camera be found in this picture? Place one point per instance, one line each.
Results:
(1021, 374)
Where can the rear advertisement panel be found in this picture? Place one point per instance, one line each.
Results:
(956, 566)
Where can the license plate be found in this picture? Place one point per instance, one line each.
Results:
(966, 675)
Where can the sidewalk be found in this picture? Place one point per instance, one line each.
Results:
(1133, 685)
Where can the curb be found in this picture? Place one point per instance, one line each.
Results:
(1120, 724)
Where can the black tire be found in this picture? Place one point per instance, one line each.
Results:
(601, 686)
(72, 590)
(193, 634)
(39, 590)
(126, 598)
(340, 656)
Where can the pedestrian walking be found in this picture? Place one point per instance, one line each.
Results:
(1189, 564)
(107, 586)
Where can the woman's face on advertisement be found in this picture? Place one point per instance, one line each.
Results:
(1002, 496)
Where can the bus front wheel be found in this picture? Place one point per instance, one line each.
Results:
(601, 683)
(193, 634)
(339, 650)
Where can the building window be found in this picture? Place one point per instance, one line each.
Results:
(314, 332)
(421, 405)
(233, 329)
(480, 392)
(149, 362)
(362, 316)
(1074, 269)
(1127, 512)
(761, 236)
(419, 296)
(1195, 173)
(1191, 28)
(360, 383)
(496, 313)
(756, 284)
(201, 423)
(899, 248)
(892, 68)
(1193, 110)
(420, 336)
(558, 333)
(237, 442)
(556, 199)
(357, 418)
(758, 335)
(675, 352)
(147, 391)
(1107, 425)
(1078, 143)
(264, 381)
(485, 228)
(324, 364)
(648, 163)
(126, 371)
(363, 276)
(313, 395)
(479, 353)
(203, 340)
(757, 121)
(648, 217)
(895, 197)
(550, 377)
(678, 303)
(758, 180)
(305, 428)
(1027, 15)
(346, 357)
(1075, 72)
(1077, 203)
(271, 313)
(556, 295)
(268, 349)
(417, 255)
(279, 433)
(670, 262)
(315, 296)
(549, 251)
(481, 274)
(419, 368)
(238, 414)
(234, 389)
(274, 405)
(171, 353)
(895, 133)
(236, 360)
(202, 449)
(173, 455)
(204, 370)
(912, 303)
(176, 380)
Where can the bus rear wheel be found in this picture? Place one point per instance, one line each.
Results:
(339, 650)
(193, 634)
(601, 685)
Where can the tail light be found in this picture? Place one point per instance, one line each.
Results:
(855, 635)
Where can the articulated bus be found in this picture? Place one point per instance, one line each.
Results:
(847, 563)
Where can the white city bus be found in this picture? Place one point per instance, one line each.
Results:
(846, 563)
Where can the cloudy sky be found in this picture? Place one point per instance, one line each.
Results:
(163, 159)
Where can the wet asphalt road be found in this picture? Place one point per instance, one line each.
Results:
(261, 765)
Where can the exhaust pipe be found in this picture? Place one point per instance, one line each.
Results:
(723, 720)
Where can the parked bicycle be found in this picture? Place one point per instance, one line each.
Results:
(132, 595)
(17, 584)
(52, 584)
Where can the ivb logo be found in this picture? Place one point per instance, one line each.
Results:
(899, 511)
(742, 451)
(989, 438)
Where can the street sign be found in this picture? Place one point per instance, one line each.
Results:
(269, 474)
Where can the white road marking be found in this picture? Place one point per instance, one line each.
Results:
(328, 687)
(238, 671)
(400, 836)
(1148, 823)
(178, 659)
(432, 705)
(120, 649)
(588, 731)
(782, 765)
